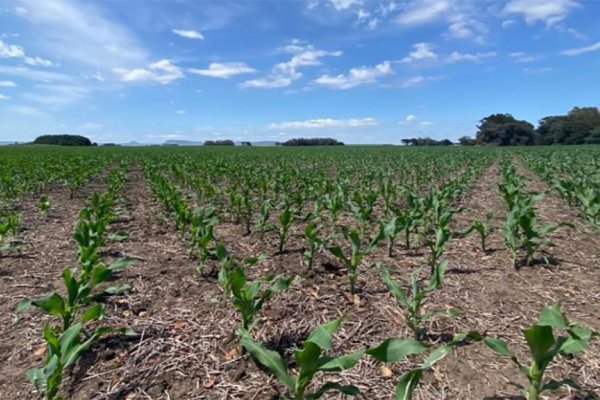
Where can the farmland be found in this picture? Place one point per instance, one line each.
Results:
(259, 273)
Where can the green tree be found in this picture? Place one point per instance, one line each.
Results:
(504, 130)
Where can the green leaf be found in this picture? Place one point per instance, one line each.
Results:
(577, 341)
(94, 312)
(407, 384)
(553, 385)
(437, 355)
(121, 264)
(393, 349)
(552, 316)
(340, 363)
(539, 339)
(498, 345)
(321, 335)
(270, 359)
(53, 304)
(349, 390)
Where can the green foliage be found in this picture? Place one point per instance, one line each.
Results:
(545, 348)
(201, 234)
(483, 228)
(504, 130)
(313, 243)
(413, 299)
(63, 140)
(353, 260)
(286, 220)
(43, 204)
(310, 361)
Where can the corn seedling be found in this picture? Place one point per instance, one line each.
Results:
(286, 219)
(483, 228)
(310, 361)
(202, 225)
(394, 350)
(43, 204)
(358, 250)
(545, 348)
(313, 243)
(249, 297)
(413, 299)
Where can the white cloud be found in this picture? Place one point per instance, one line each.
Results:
(414, 81)
(422, 12)
(321, 123)
(581, 50)
(3, 97)
(38, 61)
(270, 82)
(285, 73)
(340, 5)
(414, 120)
(180, 112)
(188, 34)
(456, 56)
(522, 57)
(463, 26)
(355, 77)
(33, 74)
(548, 11)
(422, 51)
(410, 117)
(7, 84)
(81, 32)
(11, 50)
(223, 70)
(507, 23)
(162, 71)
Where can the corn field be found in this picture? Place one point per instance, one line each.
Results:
(373, 272)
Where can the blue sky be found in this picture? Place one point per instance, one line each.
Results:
(362, 71)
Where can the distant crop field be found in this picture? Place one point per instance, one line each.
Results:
(299, 272)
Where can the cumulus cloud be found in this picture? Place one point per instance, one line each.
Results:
(548, 11)
(11, 50)
(321, 123)
(38, 61)
(355, 77)
(162, 71)
(188, 34)
(422, 51)
(285, 73)
(223, 70)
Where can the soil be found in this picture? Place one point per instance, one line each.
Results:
(185, 348)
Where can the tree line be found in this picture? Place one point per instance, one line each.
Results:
(581, 125)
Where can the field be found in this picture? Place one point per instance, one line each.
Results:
(231, 257)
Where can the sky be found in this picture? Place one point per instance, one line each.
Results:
(361, 71)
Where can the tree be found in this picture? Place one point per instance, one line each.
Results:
(313, 142)
(574, 128)
(467, 141)
(63, 140)
(427, 141)
(225, 142)
(504, 130)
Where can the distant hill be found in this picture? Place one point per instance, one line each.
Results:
(182, 143)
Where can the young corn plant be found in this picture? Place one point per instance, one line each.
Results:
(202, 235)
(436, 242)
(393, 350)
(413, 298)
(310, 361)
(313, 243)
(248, 297)
(262, 222)
(43, 204)
(483, 228)
(9, 224)
(286, 220)
(545, 348)
(353, 260)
